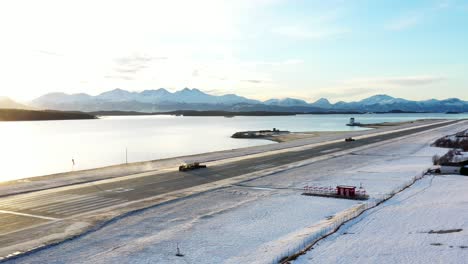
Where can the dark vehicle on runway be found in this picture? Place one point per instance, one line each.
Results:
(191, 166)
(349, 139)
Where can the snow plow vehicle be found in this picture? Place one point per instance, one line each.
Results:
(191, 166)
(349, 139)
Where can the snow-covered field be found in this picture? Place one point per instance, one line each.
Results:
(256, 221)
(427, 223)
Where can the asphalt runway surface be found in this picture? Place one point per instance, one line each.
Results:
(18, 212)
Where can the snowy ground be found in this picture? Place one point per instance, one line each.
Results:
(405, 228)
(254, 221)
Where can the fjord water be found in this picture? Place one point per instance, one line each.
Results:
(45, 147)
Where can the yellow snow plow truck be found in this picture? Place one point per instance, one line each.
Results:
(191, 166)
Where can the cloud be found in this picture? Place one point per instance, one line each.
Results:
(131, 65)
(345, 93)
(399, 81)
(119, 77)
(131, 69)
(273, 63)
(253, 81)
(404, 22)
(135, 62)
(443, 4)
(417, 17)
(292, 62)
(414, 81)
(307, 32)
(51, 53)
(361, 87)
(215, 92)
(138, 59)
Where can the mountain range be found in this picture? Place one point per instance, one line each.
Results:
(7, 103)
(194, 99)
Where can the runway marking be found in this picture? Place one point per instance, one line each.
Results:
(41, 204)
(119, 190)
(59, 204)
(76, 201)
(30, 215)
(70, 207)
(263, 166)
(24, 199)
(32, 204)
(330, 150)
(90, 208)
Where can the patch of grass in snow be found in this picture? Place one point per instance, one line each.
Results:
(447, 231)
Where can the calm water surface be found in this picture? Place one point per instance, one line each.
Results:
(45, 147)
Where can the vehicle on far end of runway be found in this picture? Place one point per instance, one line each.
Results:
(349, 139)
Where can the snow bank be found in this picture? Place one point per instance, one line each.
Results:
(425, 224)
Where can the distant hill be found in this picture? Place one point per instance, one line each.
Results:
(33, 115)
(288, 102)
(193, 113)
(161, 100)
(7, 103)
(160, 96)
(385, 103)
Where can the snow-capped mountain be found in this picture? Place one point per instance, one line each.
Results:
(7, 103)
(286, 102)
(121, 99)
(381, 99)
(385, 103)
(194, 99)
(322, 103)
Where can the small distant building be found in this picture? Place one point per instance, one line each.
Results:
(464, 170)
(347, 191)
(444, 169)
(352, 122)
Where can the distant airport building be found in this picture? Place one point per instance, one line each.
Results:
(346, 191)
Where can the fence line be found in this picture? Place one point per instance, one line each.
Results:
(300, 247)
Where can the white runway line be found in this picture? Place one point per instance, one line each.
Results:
(89, 207)
(30, 215)
(23, 199)
(330, 150)
(33, 204)
(77, 206)
(76, 203)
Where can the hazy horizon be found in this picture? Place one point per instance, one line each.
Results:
(262, 100)
(261, 49)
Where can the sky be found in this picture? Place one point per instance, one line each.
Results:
(261, 49)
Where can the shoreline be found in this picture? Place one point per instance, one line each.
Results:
(291, 136)
(385, 124)
(300, 135)
(17, 115)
